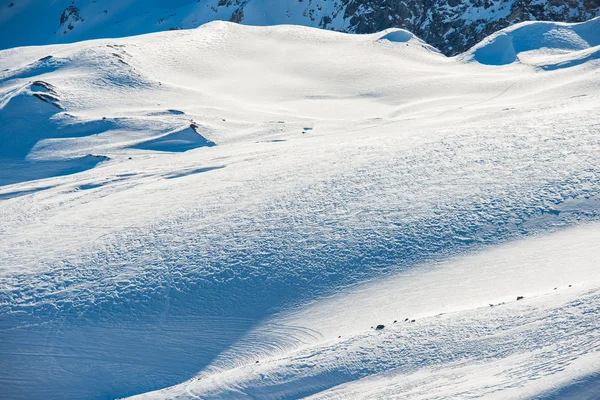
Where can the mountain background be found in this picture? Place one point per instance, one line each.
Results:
(452, 26)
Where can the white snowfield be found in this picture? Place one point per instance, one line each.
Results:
(231, 211)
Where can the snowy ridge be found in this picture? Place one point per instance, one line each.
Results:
(453, 26)
(251, 194)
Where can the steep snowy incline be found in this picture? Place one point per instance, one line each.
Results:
(238, 185)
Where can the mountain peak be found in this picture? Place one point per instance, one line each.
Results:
(453, 26)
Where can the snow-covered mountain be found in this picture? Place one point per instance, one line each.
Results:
(232, 211)
(453, 26)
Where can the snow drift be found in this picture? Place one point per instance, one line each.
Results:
(539, 43)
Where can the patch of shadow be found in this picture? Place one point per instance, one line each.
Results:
(193, 172)
(177, 141)
(398, 36)
(89, 186)
(19, 193)
(587, 388)
(167, 112)
(320, 97)
(369, 95)
(16, 170)
(272, 141)
(37, 86)
(572, 63)
(39, 67)
(48, 98)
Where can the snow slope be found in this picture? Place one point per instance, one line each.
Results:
(251, 194)
(454, 344)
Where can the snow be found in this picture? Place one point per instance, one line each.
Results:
(184, 204)
(537, 43)
(398, 35)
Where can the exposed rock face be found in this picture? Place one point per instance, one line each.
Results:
(452, 26)
(69, 16)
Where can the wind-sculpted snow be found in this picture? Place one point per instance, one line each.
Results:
(505, 347)
(340, 160)
(549, 38)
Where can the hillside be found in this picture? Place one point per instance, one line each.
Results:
(231, 212)
(452, 26)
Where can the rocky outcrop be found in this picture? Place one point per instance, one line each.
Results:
(453, 26)
(69, 16)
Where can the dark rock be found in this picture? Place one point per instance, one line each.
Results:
(70, 14)
(520, 298)
(237, 16)
(380, 327)
(48, 98)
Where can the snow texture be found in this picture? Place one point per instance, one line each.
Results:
(225, 212)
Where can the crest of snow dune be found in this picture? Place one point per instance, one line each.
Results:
(404, 37)
(549, 45)
(398, 35)
(178, 140)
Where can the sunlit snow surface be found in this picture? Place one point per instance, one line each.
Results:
(227, 212)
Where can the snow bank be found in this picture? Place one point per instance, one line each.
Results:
(545, 38)
(398, 36)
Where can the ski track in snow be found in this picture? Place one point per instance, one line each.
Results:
(340, 161)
